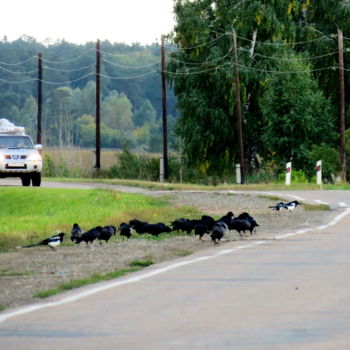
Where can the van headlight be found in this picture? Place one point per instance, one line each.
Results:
(35, 158)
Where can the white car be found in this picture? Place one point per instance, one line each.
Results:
(19, 157)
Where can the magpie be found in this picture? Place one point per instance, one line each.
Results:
(52, 242)
(291, 205)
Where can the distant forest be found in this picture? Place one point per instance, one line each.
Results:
(131, 105)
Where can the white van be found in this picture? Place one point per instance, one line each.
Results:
(18, 156)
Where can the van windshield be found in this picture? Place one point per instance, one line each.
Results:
(16, 142)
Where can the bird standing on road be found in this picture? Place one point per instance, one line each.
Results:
(75, 232)
(277, 207)
(291, 205)
(106, 233)
(89, 236)
(125, 230)
(52, 242)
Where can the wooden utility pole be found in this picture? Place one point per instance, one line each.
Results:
(342, 155)
(238, 106)
(164, 114)
(98, 99)
(39, 100)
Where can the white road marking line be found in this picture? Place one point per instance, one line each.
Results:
(320, 202)
(34, 307)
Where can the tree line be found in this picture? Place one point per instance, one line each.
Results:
(130, 93)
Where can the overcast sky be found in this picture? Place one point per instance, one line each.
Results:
(79, 21)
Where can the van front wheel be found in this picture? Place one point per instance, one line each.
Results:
(36, 179)
(25, 180)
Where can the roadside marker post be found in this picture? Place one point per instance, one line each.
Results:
(288, 173)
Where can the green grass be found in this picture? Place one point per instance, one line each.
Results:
(181, 253)
(8, 273)
(85, 281)
(31, 214)
(141, 263)
(316, 207)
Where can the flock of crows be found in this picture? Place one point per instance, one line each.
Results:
(216, 229)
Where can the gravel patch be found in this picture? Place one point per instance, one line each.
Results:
(25, 272)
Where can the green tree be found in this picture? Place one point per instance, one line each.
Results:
(203, 73)
(145, 114)
(59, 123)
(29, 116)
(296, 114)
(117, 111)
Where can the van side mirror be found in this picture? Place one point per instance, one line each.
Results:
(38, 147)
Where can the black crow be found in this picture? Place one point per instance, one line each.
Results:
(158, 228)
(179, 224)
(227, 218)
(125, 230)
(240, 225)
(52, 242)
(106, 233)
(252, 222)
(89, 236)
(75, 232)
(291, 205)
(218, 231)
(205, 225)
(139, 226)
(201, 229)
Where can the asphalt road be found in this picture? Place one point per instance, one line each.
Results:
(291, 292)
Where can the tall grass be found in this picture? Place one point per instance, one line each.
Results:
(31, 214)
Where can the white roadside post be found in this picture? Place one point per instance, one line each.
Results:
(288, 173)
(238, 174)
(161, 169)
(319, 173)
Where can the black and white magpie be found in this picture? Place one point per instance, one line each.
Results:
(52, 242)
(291, 205)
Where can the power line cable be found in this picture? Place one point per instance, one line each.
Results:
(18, 63)
(19, 73)
(283, 44)
(105, 53)
(66, 82)
(131, 67)
(129, 77)
(201, 63)
(286, 72)
(291, 59)
(200, 45)
(17, 82)
(196, 72)
(69, 70)
(69, 60)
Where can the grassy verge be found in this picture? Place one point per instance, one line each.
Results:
(31, 214)
(183, 186)
(85, 281)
